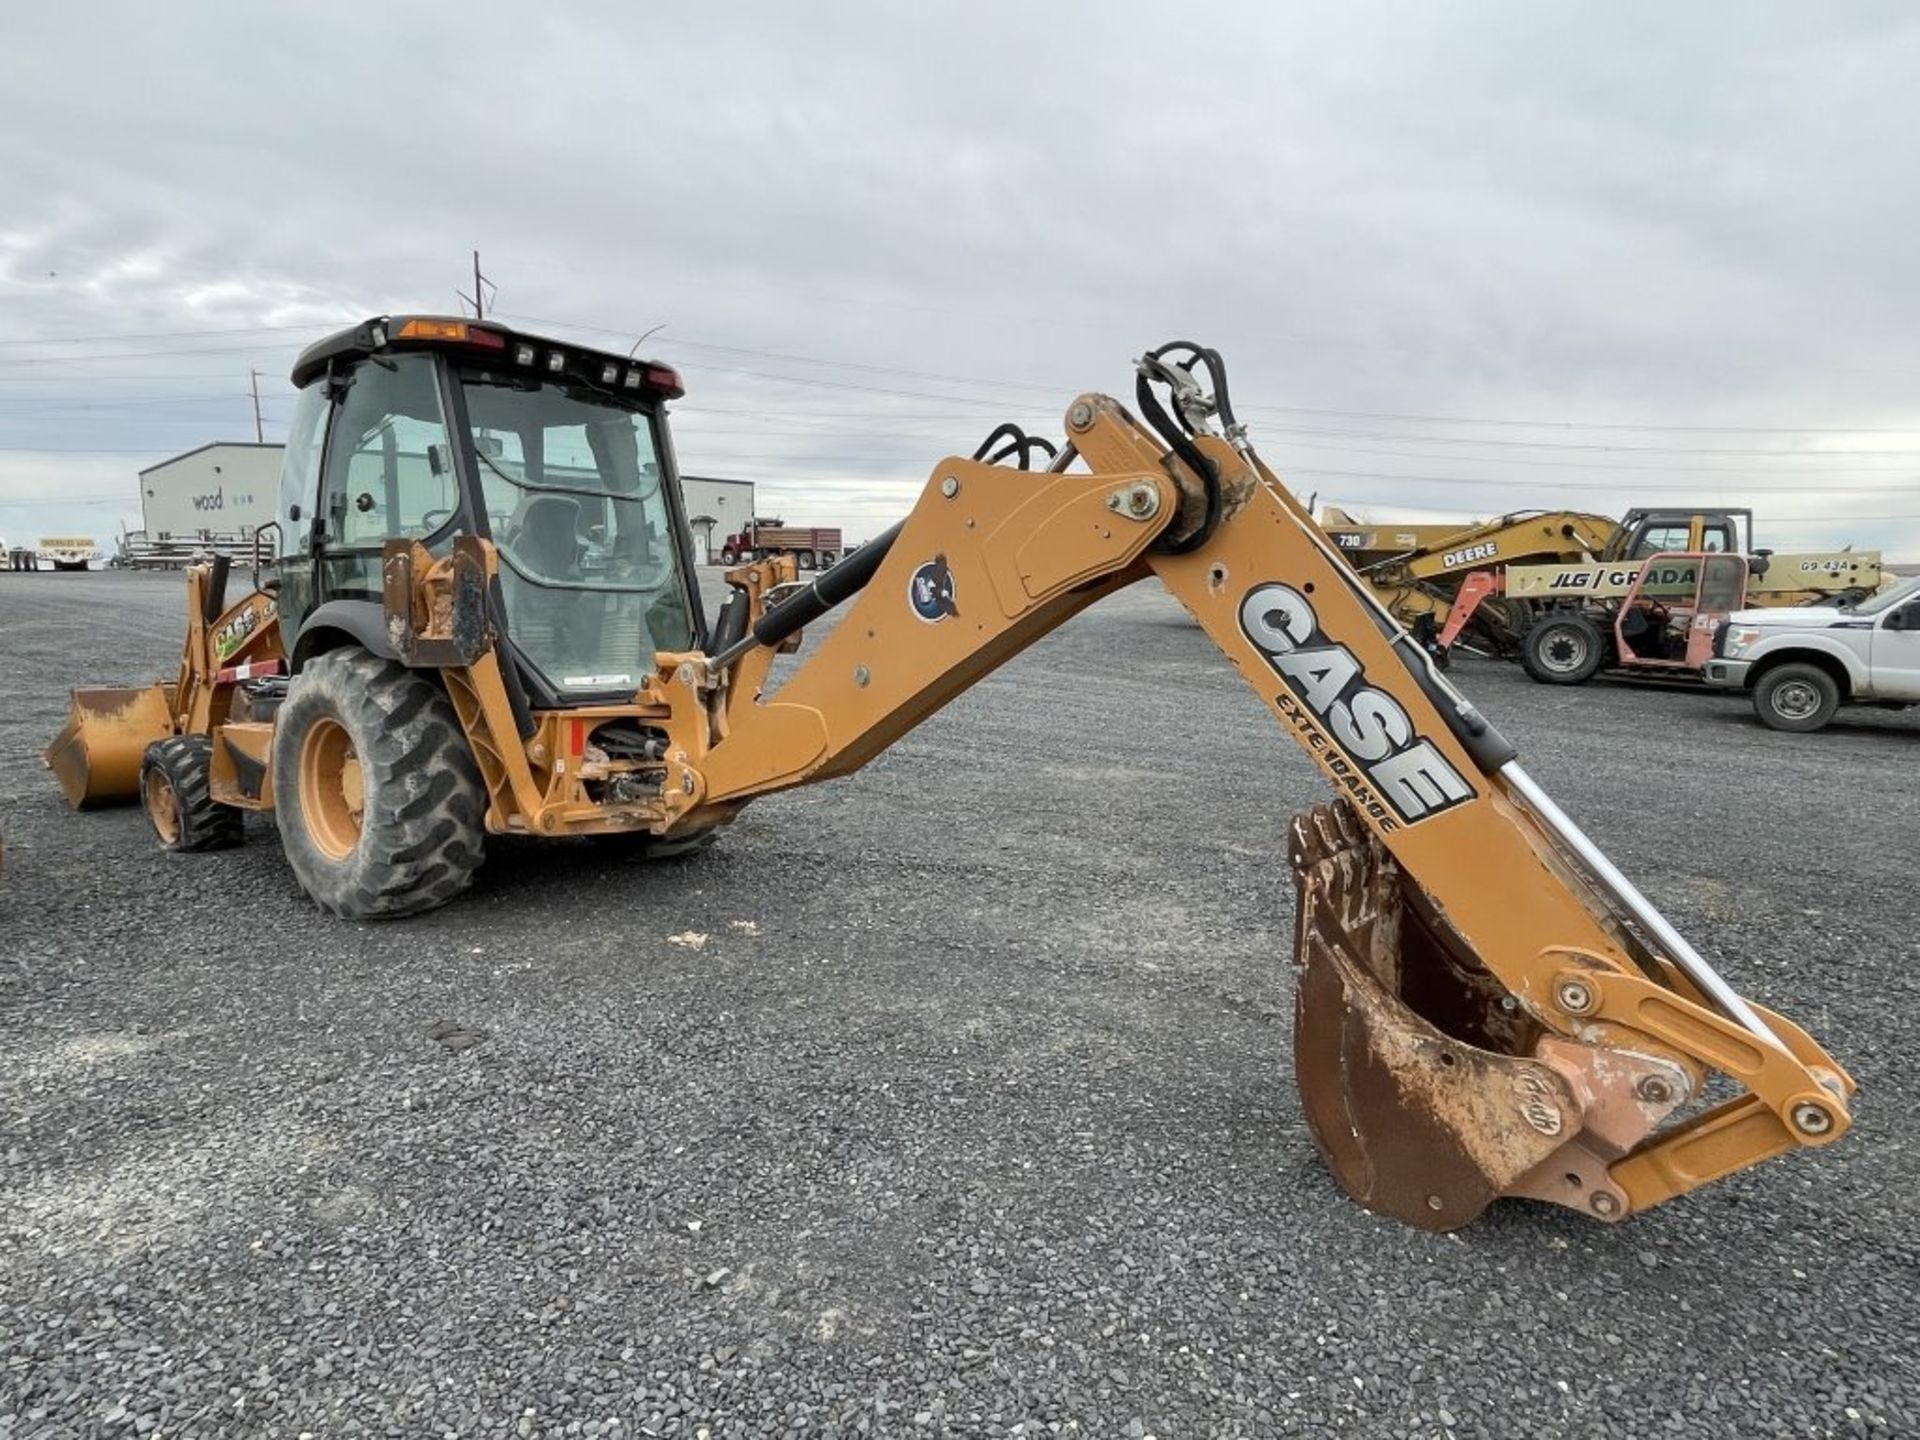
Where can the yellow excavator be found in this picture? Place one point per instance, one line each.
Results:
(479, 619)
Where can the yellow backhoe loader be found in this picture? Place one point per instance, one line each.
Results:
(480, 620)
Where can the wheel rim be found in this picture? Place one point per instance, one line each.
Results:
(1795, 700)
(163, 809)
(332, 788)
(1564, 651)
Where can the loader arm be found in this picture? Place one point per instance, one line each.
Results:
(1486, 1006)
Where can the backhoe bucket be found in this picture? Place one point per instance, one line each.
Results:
(96, 756)
(1410, 1055)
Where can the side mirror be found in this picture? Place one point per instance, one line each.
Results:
(1759, 562)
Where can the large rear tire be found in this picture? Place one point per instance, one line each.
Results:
(175, 793)
(379, 803)
(1796, 697)
(1563, 647)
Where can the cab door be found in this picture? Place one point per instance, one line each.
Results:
(1712, 531)
(1895, 654)
(1649, 625)
(1723, 590)
(298, 505)
(388, 473)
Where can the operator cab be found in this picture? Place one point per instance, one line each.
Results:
(426, 428)
(1646, 533)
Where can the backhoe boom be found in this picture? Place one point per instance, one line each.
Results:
(1486, 1005)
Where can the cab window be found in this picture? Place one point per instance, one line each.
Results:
(572, 485)
(300, 467)
(1659, 539)
(389, 472)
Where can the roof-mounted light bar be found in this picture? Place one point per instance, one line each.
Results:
(536, 354)
(457, 331)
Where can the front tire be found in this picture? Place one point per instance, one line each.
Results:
(378, 800)
(1796, 697)
(1563, 648)
(729, 557)
(805, 559)
(176, 794)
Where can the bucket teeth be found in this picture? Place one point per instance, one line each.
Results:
(1414, 1080)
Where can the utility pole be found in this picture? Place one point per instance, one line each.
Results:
(478, 300)
(259, 431)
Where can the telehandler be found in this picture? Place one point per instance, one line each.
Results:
(481, 620)
(1653, 616)
(1424, 582)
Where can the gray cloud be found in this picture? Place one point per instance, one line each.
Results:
(1635, 214)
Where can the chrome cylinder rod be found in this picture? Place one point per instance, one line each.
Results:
(1690, 961)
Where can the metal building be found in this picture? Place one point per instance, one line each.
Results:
(715, 507)
(227, 488)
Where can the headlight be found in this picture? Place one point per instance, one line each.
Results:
(1740, 639)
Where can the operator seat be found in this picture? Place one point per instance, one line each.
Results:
(544, 536)
(542, 565)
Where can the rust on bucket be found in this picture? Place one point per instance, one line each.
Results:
(96, 756)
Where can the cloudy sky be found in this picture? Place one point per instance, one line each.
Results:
(1462, 258)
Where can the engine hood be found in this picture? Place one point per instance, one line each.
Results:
(1799, 617)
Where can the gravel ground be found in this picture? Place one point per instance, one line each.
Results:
(973, 1115)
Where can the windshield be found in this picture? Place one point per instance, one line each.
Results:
(570, 478)
(1888, 598)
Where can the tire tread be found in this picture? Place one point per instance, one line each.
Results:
(423, 832)
(187, 763)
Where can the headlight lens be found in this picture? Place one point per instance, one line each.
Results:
(1740, 639)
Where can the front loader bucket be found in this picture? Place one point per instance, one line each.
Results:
(1410, 1056)
(96, 756)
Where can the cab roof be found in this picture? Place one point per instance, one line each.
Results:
(537, 354)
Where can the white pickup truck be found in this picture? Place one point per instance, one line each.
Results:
(1803, 663)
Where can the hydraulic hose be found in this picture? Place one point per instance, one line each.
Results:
(1179, 440)
(1020, 446)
